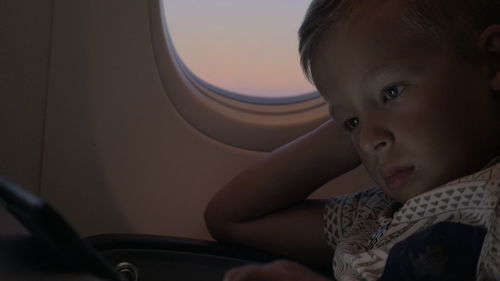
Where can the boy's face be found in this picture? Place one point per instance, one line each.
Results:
(411, 108)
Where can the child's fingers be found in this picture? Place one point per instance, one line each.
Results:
(275, 271)
(243, 273)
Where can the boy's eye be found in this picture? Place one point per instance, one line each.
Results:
(392, 92)
(351, 124)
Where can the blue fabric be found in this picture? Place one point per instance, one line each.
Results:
(444, 251)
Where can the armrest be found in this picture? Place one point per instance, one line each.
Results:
(108, 242)
(159, 258)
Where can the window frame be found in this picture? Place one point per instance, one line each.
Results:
(257, 124)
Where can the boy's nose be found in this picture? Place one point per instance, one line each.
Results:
(374, 138)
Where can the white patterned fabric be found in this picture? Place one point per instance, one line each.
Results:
(363, 227)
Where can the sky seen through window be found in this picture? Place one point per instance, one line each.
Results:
(243, 46)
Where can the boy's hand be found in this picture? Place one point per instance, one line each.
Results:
(275, 271)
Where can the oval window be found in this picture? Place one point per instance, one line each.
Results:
(244, 49)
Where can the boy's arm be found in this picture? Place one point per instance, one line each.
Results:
(265, 206)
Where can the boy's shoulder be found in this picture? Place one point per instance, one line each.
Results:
(489, 172)
(475, 182)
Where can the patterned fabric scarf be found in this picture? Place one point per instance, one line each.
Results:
(364, 227)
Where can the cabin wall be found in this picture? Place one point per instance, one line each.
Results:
(25, 32)
(114, 154)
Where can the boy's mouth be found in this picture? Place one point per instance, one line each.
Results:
(396, 177)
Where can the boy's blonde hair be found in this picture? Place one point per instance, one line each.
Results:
(451, 24)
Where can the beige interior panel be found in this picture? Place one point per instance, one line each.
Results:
(117, 157)
(25, 31)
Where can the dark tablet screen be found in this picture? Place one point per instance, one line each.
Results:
(52, 232)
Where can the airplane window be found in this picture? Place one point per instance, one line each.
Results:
(231, 69)
(243, 49)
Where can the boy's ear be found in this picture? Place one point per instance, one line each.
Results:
(489, 44)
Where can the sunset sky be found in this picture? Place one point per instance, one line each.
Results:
(245, 46)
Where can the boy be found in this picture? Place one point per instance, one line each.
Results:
(413, 88)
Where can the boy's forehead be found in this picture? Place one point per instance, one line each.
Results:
(364, 49)
(340, 59)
